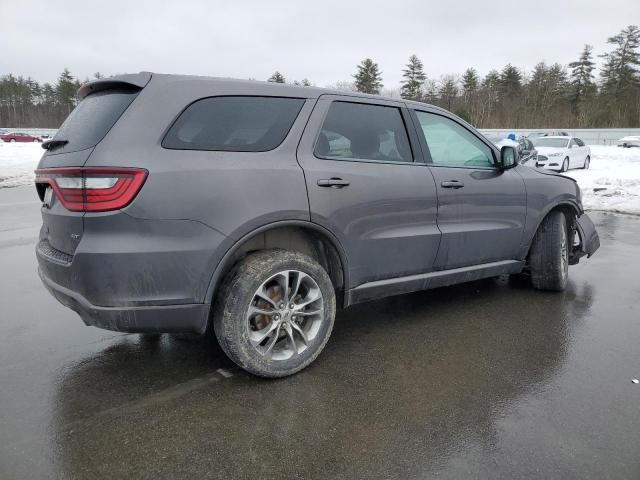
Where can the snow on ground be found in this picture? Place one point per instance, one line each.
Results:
(614, 174)
(612, 182)
(17, 163)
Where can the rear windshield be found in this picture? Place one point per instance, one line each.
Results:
(234, 124)
(94, 116)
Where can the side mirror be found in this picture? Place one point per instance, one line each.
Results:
(508, 158)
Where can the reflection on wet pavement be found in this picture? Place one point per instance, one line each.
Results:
(488, 379)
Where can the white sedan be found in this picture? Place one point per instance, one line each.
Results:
(562, 153)
(628, 142)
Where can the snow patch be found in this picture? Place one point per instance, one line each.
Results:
(17, 163)
(612, 182)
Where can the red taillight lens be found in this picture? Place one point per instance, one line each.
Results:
(93, 189)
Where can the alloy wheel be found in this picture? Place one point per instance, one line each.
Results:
(285, 315)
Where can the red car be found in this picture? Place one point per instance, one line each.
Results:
(19, 137)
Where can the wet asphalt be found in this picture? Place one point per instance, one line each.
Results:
(490, 379)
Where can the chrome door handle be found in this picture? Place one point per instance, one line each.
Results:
(333, 182)
(452, 184)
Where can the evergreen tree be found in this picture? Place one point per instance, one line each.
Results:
(470, 109)
(510, 82)
(368, 78)
(620, 102)
(448, 92)
(414, 77)
(305, 82)
(470, 82)
(620, 72)
(277, 77)
(582, 75)
(66, 89)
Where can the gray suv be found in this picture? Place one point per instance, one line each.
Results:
(190, 204)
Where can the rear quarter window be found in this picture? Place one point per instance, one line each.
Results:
(234, 124)
(94, 116)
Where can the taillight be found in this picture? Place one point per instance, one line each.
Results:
(92, 189)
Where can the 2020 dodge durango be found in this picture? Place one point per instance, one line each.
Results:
(188, 204)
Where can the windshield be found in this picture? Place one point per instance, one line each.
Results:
(94, 116)
(551, 142)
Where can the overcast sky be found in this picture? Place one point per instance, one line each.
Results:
(322, 41)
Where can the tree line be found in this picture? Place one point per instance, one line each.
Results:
(550, 96)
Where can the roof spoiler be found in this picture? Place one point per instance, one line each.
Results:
(137, 80)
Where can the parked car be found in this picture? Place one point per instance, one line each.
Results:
(630, 141)
(19, 137)
(562, 153)
(500, 141)
(527, 151)
(184, 204)
(558, 133)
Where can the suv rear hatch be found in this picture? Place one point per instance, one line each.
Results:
(65, 187)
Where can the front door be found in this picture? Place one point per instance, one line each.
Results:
(366, 187)
(481, 209)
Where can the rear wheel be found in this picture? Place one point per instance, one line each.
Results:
(587, 161)
(13, 140)
(549, 256)
(565, 165)
(275, 312)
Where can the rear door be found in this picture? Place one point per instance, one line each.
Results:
(481, 210)
(365, 186)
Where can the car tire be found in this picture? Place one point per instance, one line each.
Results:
(241, 321)
(565, 165)
(549, 255)
(13, 140)
(587, 161)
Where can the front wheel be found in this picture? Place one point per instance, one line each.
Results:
(565, 165)
(587, 161)
(275, 312)
(549, 256)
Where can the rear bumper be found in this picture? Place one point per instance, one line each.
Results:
(187, 318)
(134, 275)
(589, 239)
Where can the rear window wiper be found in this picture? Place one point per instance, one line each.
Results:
(49, 144)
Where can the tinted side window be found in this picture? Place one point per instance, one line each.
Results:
(234, 124)
(363, 131)
(93, 118)
(452, 145)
